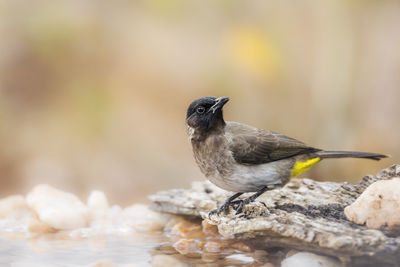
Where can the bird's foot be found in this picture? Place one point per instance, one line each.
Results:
(236, 205)
(239, 204)
(223, 208)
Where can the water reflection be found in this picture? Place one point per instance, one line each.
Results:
(38, 232)
(112, 251)
(45, 251)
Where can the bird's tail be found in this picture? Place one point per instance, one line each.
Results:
(325, 154)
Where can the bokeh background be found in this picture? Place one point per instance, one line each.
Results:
(94, 93)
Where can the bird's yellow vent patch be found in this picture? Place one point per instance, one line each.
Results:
(301, 166)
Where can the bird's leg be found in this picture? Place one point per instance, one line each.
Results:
(226, 204)
(250, 199)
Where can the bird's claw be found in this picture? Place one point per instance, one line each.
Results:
(224, 207)
(218, 211)
(236, 205)
(239, 204)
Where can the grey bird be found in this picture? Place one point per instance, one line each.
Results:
(241, 158)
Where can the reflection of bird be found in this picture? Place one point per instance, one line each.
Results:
(241, 158)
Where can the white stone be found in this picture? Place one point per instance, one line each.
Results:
(97, 200)
(307, 259)
(378, 205)
(12, 204)
(39, 227)
(141, 218)
(56, 208)
(98, 205)
(115, 211)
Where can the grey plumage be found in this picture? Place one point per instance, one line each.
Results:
(250, 145)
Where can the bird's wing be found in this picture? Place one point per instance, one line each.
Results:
(250, 145)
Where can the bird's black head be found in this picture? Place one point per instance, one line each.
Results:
(205, 114)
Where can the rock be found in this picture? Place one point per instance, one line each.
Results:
(303, 215)
(306, 259)
(260, 255)
(16, 223)
(12, 204)
(188, 246)
(97, 200)
(216, 246)
(115, 211)
(172, 222)
(165, 261)
(98, 205)
(56, 208)
(201, 198)
(187, 229)
(211, 259)
(38, 227)
(209, 229)
(378, 205)
(242, 247)
(141, 218)
(204, 196)
(291, 253)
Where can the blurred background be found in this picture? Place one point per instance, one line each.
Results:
(94, 93)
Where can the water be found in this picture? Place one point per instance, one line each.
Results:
(135, 250)
(42, 235)
(45, 251)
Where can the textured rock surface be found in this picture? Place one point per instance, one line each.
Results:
(305, 215)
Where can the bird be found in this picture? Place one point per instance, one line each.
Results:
(240, 158)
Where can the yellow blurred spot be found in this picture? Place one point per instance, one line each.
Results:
(253, 50)
(166, 7)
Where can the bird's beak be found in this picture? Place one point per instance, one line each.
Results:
(219, 103)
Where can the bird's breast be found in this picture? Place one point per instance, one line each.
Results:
(216, 162)
(213, 156)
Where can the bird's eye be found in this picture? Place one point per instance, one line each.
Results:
(200, 110)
